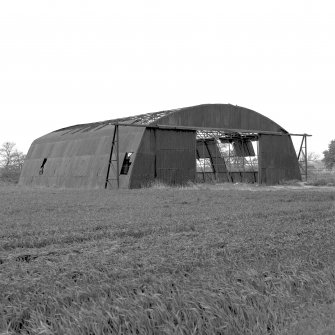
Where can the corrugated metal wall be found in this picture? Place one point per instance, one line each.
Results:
(73, 160)
(77, 159)
(175, 156)
(165, 155)
(277, 160)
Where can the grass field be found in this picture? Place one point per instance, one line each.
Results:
(206, 260)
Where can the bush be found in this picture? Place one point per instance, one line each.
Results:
(322, 182)
(321, 178)
(10, 175)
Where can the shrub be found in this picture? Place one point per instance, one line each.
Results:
(321, 178)
(10, 175)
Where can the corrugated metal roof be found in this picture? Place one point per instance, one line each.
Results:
(142, 119)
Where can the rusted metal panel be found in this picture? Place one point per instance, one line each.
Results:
(277, 159)
(165, 155)
(175, 156)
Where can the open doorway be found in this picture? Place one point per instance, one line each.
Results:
(226, 157)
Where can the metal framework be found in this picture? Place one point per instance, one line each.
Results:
(136, 120)
(302, 156)
(114, 160)
(218, 159)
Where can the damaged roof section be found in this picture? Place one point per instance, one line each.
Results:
(142, 119)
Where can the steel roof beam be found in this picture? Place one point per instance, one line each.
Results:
(227, 130)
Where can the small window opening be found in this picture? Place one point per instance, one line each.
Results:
(42, 166)
(126, 163)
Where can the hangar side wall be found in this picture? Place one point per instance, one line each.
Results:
(277, 160)
(168, 156)
(77, 158)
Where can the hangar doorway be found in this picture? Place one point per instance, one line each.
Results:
(226, 157)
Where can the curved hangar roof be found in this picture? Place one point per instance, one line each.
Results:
(84, 155)
(223, 116)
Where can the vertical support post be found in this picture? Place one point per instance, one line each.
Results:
(301, 147)
(302, 157)
(117, 156)
(228, 167)
(306, 163)
(259, 160)
(110, 160)
(216, 160)
(195, 155)
(229, 162)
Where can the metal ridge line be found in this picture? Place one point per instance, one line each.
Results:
(161, 126)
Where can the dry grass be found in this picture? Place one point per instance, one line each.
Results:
(207, 260)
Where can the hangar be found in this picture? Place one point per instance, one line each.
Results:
(210, 142)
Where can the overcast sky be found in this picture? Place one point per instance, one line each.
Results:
(69, 62)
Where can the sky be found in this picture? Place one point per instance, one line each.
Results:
(70, 62)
